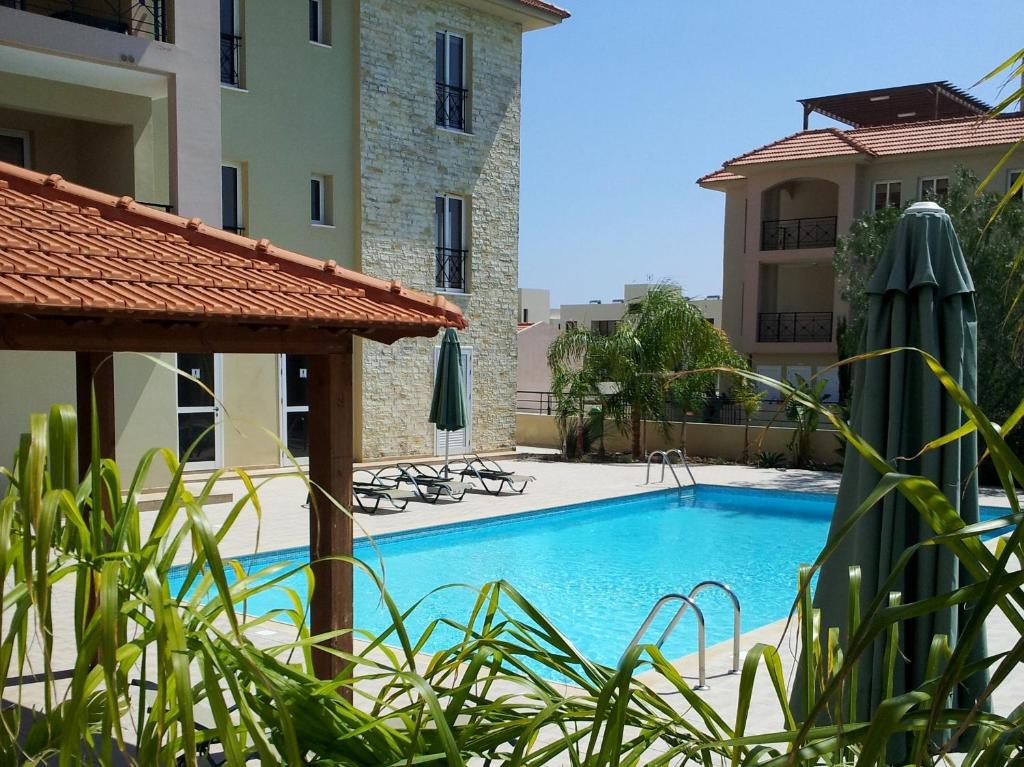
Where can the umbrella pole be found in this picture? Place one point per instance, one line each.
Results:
(447, 434)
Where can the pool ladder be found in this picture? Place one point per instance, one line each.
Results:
(689, 601)
(666, 460)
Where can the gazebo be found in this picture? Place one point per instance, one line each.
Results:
(95, 274)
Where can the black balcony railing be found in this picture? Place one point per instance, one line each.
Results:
(142, 18)
(451, 106)
(167, 208)
(791, 233)
(450, 273)
(794, 327)
(231, 60)
(234, 229)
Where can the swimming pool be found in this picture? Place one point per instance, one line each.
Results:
(595, 569)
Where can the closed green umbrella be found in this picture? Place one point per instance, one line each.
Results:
(448, 404)
(921, 295)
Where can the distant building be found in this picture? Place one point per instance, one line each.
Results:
(786, 202)
(602, 317)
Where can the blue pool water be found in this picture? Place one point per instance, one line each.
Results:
(595, 569)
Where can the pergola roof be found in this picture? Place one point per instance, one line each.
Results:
(904, 103)
(84, 270)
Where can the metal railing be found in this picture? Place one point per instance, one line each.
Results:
(792, 233)
(450, 106)
(702, 674)
(234, 229)
(231, 60)
(539, 402)
(165, 207)
(666, 460)
(687, 602)
(450, 271)
(140, 18)
(794, 327)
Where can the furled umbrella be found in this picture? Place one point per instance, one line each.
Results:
(921, 295)
(448, 404)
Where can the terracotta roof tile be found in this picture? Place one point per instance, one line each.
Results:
(883, 141)
(64, 247)
(548, 7)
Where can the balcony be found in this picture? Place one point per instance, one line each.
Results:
(450, 106)
(451, 269)
(793, 233)
(139, 18)
(794, 327)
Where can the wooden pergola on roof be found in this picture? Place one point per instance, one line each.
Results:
(87, 272)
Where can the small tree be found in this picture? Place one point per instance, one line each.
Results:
(749, 399)
(805, 419)
(660, 336)
(576, 359)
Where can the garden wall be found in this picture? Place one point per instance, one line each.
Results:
(707, 440)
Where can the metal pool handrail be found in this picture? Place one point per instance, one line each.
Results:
(687, 602)
(735, 617)
(666, 460)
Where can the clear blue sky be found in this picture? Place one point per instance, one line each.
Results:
(628, 102)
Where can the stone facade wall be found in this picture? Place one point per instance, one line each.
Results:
(406, 160)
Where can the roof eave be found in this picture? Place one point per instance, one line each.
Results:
(531, 17)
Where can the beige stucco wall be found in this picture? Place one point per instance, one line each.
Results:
(31, 383)
(702, 439)
(405, 161)
(100, 138)
(536, 302)
(533, 373)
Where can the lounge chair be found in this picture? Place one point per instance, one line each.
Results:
(427, 482)
(376, 489)
(490, 472)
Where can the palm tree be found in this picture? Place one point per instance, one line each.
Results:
(748, 397)
(577, 359)
(660, 336)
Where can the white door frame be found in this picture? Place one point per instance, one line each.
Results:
(467, 372)
(218, 422)
(284, 409)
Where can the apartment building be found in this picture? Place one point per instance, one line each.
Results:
(786, 202)
(382, 135)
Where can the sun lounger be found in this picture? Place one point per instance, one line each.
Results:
(376, 489)
(426, 482)
(490, 474)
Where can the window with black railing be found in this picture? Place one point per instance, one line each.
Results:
(792, 233)
(451, 91)
(140, 18)
(450, 253)
(231, 199)
(794, 327)
(230, 43)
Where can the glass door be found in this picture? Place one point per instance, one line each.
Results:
(294, 372)
(198, 411)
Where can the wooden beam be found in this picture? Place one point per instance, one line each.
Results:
(94, 370)
(138, 334)
(330, 528)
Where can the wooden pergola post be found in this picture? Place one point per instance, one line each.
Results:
(94, 369)
(330, 529)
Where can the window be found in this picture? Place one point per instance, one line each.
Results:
(1011, 179)
(450, 71)
(570, 324)
(318, 22)
(934, 187)
(320, 200)
(887, 194)
(14, 147)
(450, 271)
(230, 43)
(603, 327)
(231, 199)
(526, 315)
